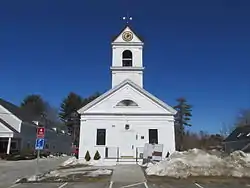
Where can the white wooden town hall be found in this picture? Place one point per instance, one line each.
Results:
(123, 119)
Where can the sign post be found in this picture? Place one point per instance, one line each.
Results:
(40, 142)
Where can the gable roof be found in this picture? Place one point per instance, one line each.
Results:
(129, 26)
(8, 126)
(135, 86)
(15, 110)
(239, 134)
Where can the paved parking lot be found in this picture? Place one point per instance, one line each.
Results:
(220, 182)
(176, 184)
(63, 185)
(10, 171)
(127, 176)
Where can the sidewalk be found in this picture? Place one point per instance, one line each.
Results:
(128, 176)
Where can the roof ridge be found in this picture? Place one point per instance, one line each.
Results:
(8, 126)
(132, 29)
(134, 85)
(16, 110)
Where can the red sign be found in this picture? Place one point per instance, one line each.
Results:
(40, 132)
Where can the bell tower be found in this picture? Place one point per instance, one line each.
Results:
(127, 52)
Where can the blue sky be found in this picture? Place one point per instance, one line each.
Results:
(196, 49)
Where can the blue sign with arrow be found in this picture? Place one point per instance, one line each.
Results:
(40, 143)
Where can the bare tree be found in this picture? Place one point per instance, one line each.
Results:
(243, 118)
(226, 129)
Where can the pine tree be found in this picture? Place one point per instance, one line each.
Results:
(68, 112)
(34, 105)
(182, 119)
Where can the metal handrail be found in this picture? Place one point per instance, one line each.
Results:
(117, 156)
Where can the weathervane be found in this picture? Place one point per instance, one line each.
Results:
(127, 18)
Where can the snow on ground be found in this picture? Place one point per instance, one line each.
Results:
(11, 171)
(60, 174)
(94, 172)
(93, 168)
(99, 172)
(196, 162)
(69, 162)
(72, 161)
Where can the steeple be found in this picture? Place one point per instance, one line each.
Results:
(127, 54)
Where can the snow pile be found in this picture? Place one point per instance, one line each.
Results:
(84, 171)
(67, 174)
(72, 161)
(52, 156)
(196, 162)
(99, 172)
(33, 178)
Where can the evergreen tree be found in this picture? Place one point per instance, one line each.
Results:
(34, 105)
(87, 156)
(68, 112)
(97, 156)
(182, 119)
(69, 105)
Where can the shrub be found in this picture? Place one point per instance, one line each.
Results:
(3, 156)
(97, 156)
(87, 156)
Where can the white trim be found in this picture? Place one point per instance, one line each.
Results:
(127, 43)
(8, 146)
(239, 135)
(133, 85)
(14, 116)
(114, 68)
(7, 135)
(8, 112)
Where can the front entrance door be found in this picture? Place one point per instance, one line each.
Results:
(127, 149)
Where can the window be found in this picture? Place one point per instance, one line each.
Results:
(127, 58)
(153, 136)
(101, 137)
(127, 103)
(13, 145)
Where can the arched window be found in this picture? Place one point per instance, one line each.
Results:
(127, 58)
(127, 103)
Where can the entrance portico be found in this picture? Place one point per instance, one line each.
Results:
(7, 141)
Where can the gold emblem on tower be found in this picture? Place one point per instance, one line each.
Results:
(127, 36)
